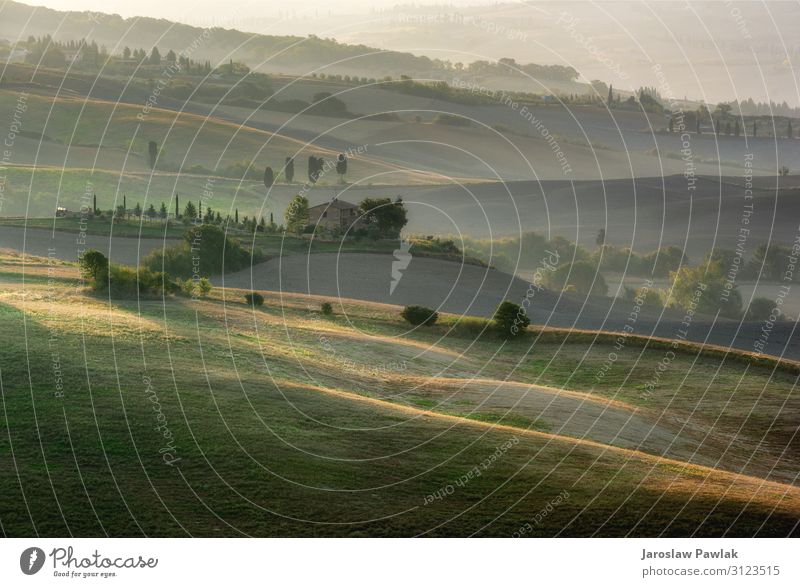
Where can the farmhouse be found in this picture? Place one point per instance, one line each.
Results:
(336, 214)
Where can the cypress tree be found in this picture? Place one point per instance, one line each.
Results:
(289, 169)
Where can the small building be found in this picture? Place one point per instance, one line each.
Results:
(335, 215)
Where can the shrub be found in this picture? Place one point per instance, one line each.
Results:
(760, 309)
(254, 299)
(510, 319)
(205, 248)
(131, 282)
(204, 286)
(419, 315)
(186, 286)
(326, 308)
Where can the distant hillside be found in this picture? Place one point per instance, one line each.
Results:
(288, 54)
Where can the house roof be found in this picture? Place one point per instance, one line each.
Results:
(335, 204)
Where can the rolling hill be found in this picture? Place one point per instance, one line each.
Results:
(174, 418)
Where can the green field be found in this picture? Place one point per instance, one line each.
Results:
(287, 422)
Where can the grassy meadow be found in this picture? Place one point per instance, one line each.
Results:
(173, 417)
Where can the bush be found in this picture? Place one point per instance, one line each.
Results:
(326, 308)
(510, 319)
(186, 286)
(204, 286)
(131, 282)
(254, 299)
(194, 288)
(760, 309)
(205, 248)
(122, 281)
(419, 315)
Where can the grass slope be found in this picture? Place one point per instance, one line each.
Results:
(289, 423)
